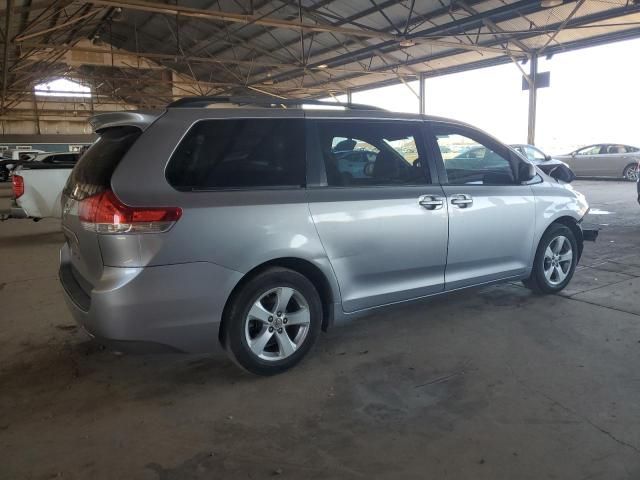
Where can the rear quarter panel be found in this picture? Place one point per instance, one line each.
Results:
(236, 229)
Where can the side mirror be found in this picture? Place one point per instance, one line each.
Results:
(547, 158)
(562, 173)
(573, 154)
(526, 172)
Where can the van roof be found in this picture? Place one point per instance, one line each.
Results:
(203, 102)
(193, 106)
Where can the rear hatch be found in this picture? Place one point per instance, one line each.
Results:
(90, 177)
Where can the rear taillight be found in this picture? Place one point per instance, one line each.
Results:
(18, 185)
(104, 213)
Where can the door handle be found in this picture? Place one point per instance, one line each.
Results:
(461, 200)
(431, 202)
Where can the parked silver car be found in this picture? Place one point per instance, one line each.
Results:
(240, 227)
(604, 160)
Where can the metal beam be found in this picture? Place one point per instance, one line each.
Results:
(375, 49)
(22, 38)
(169, 58)
(229, 17)
(491, 25)
(563, 24)
(506, 12)
(315, 7)
(533, 95)
(472, 47)
(585, 20)
(5, 69)
(422, 97)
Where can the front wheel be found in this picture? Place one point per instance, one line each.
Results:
(555, 262)
(630, 172)
(272, 322)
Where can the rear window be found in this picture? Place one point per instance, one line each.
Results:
(92, 173)
(245, 153)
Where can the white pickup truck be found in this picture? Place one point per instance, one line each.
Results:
(37, 187)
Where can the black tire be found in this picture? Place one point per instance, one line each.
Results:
(538, 282)
(237, 326)
(630, 172)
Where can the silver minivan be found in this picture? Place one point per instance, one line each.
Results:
(241, 227)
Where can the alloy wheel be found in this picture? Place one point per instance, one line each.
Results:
(277, 323)
(558, 259)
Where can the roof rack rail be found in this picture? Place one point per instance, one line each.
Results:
(200, 102)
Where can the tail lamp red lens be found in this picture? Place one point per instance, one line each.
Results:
(18, 185)
(105, 213)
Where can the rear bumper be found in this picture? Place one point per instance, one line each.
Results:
(17, 212)
(13, 212)
(150, 309)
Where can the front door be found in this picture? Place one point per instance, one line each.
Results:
(382, 221)
(587, 161)
(491, 215)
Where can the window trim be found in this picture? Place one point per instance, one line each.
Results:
(316, 160)
(484, 139)
(194, 124)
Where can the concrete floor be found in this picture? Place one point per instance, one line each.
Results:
(489, 384)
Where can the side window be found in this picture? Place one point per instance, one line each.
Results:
(473, 161)
(592, 150)
(616, 149)
(247, 153)
(371, 153)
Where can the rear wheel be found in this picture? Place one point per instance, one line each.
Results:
(630, 172)
(273, 321)
(555, 261)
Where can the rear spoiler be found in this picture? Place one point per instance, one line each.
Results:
(134, 118)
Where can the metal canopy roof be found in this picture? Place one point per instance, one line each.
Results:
(146, 53)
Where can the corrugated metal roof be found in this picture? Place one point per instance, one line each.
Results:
(289, 49)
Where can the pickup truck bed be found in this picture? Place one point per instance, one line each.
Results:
(43, 184)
